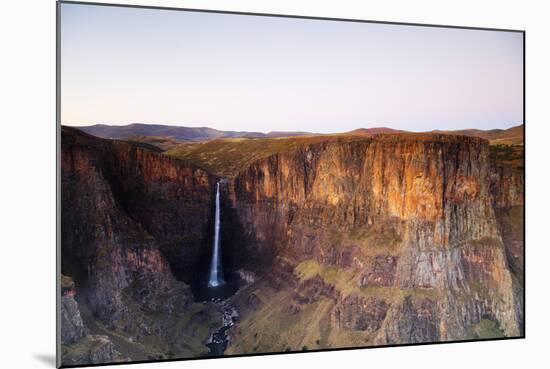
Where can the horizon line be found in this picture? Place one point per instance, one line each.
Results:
(77, 125)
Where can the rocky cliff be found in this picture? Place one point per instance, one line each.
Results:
(507, 185)
(131, 221)
(507, 190)
(401, 228)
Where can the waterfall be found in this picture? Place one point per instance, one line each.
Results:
(215, 277)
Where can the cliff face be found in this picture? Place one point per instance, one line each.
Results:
(168, 200)
(401, 227)
(507, 183)
(443, 182)
(507, 190)
(127, 214)
(506, 186)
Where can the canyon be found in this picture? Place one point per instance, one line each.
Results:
(330, 241)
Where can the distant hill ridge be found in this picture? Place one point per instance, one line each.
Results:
(512, 135)
(176, 132)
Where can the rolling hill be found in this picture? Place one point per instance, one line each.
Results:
(510, 136)
(179, 133)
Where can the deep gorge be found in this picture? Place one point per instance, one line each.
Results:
(386, 240)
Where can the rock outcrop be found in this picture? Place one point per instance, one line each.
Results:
(71, 321)
(93, 349)
(79, 347)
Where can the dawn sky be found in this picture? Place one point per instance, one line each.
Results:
(236, 72)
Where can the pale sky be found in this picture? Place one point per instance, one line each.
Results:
(253, 73)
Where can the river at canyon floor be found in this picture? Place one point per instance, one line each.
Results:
(218, 341)
(219, 296)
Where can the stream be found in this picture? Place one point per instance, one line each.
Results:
(218, 340)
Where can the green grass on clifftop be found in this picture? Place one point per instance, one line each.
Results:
(230, 155)
(507, 155)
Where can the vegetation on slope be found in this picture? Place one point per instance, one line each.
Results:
(160, 142)
(184, 333)
(507, 155)
(485, 329)
(271, 327)
(510, 136)
(228, 156)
